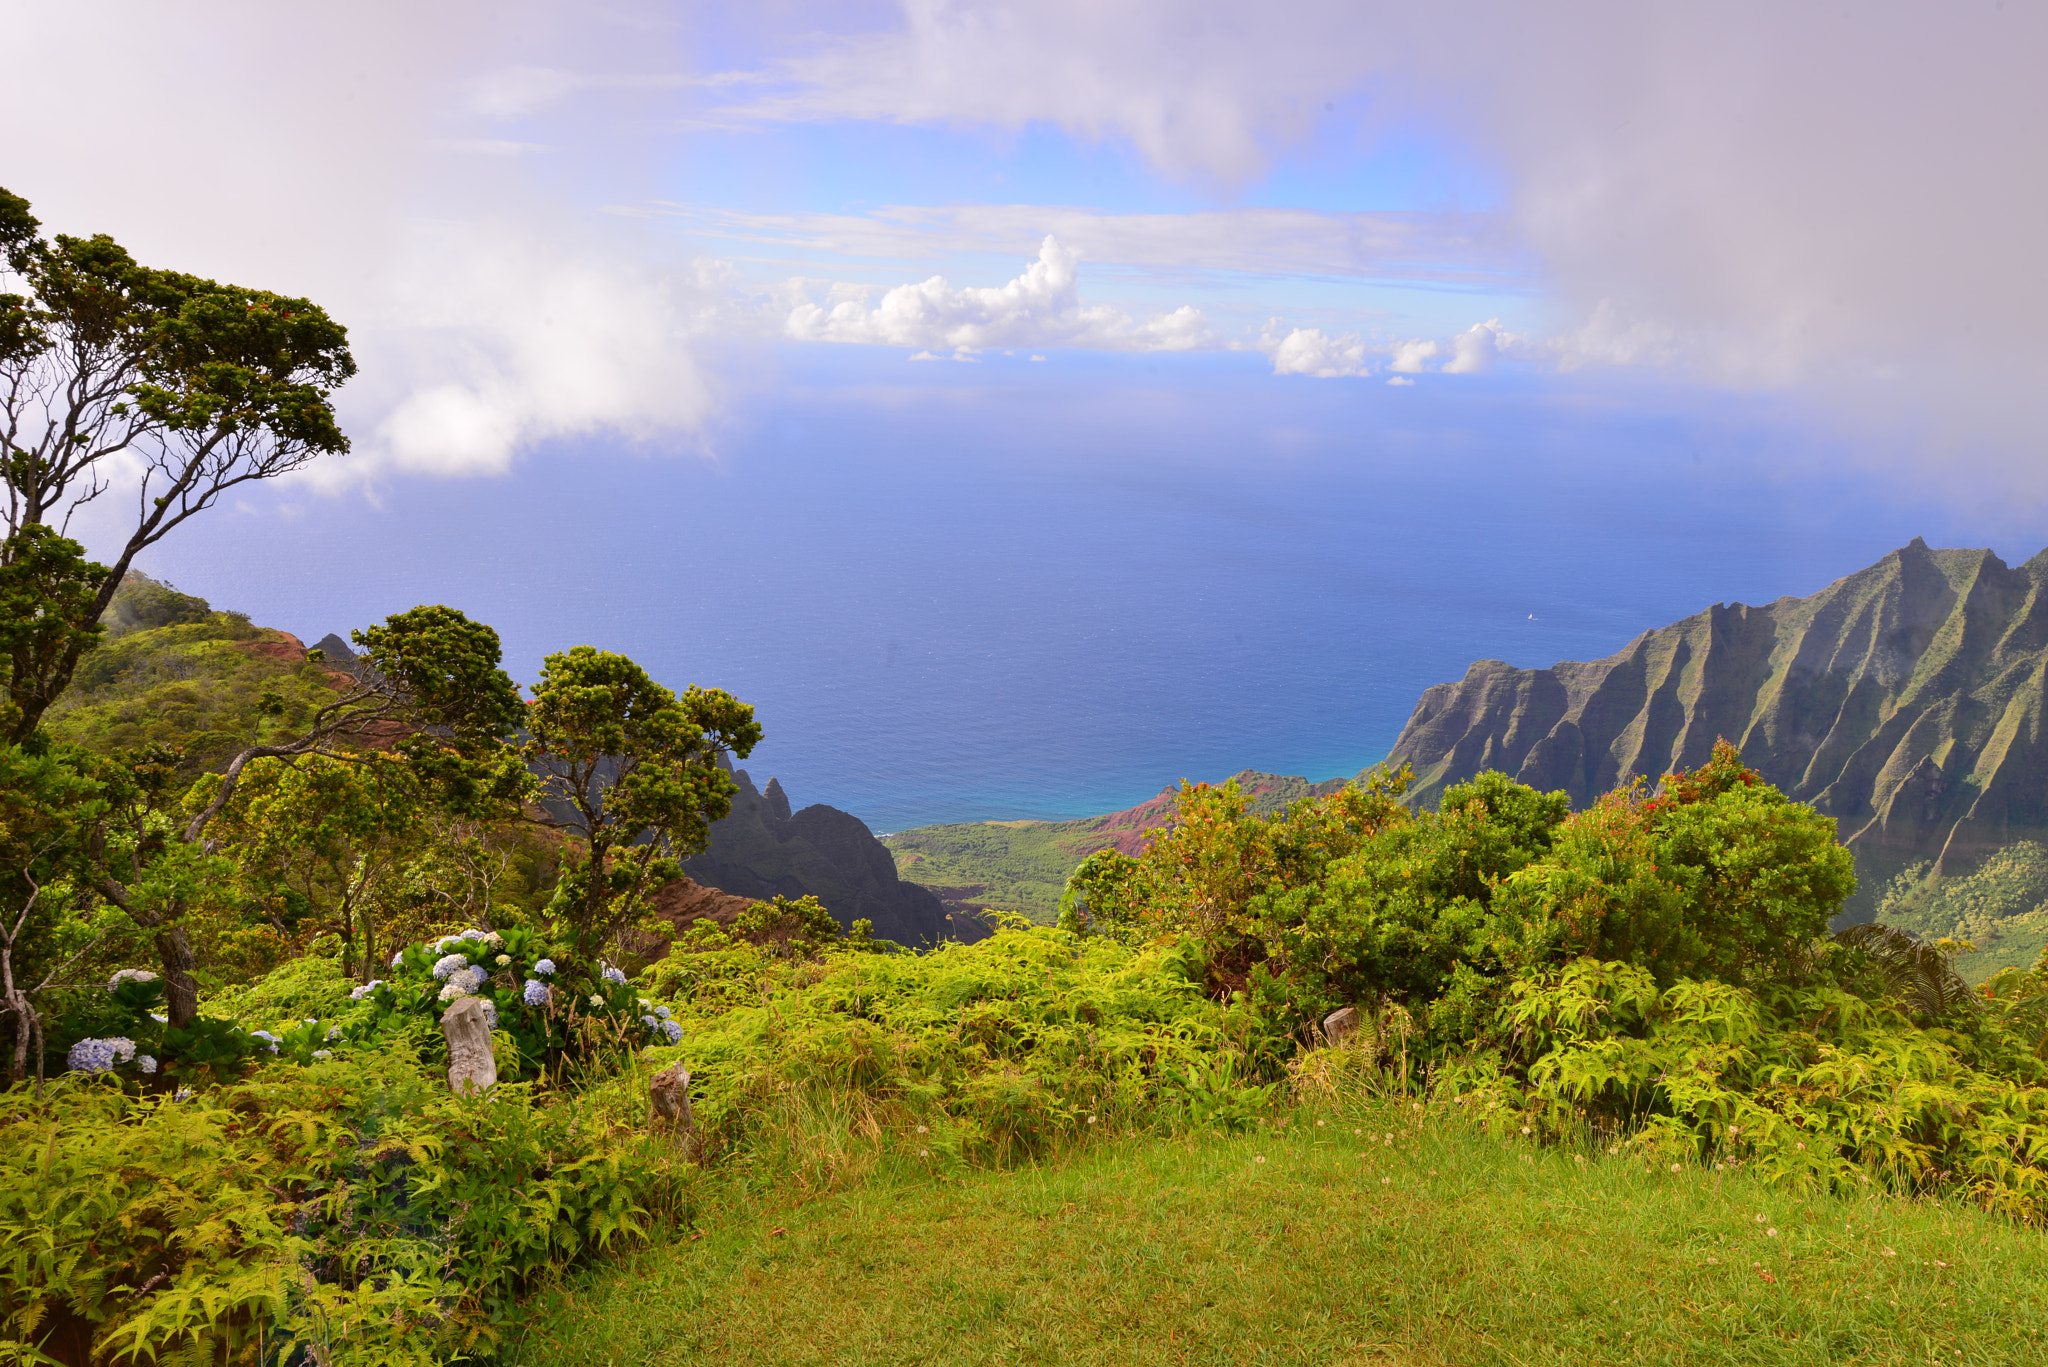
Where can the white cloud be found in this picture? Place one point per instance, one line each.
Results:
(388, 179)
(1400, 380)
(1474, 350)
(1041, 307)
(1306, 351)
(504, 341)
(1409, 356)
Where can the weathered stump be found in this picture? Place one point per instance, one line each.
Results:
(669, 1095)
(471, 1065)
(1341, 1024)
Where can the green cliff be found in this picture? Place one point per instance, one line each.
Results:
(1905, 700)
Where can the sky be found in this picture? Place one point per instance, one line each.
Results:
(626, 249)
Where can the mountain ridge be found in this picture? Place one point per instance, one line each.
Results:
(1905, 700)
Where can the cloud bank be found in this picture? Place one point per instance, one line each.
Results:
(1766, 193)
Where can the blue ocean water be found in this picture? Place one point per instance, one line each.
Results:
(1048, 589)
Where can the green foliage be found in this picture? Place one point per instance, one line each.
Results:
(792, 928)
(310, 985)
(1025, 866)
(193, 686)
(142, 603)
(568, 1020)
(634, 770)
(350, 1209)
(48, 593)
(2000, 908)
(971, 1054)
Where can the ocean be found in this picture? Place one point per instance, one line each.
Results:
(1048, 589)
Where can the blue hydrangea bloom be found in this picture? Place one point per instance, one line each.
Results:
(546, 967)
(267, 1038)
(613, 975)
(490, 1013)
(145, 1063)
(98, 1055)
(447, 964)
(536, 993)
(673, 1029)
(661, 1011)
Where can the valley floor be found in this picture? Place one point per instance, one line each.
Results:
(1371, 1236)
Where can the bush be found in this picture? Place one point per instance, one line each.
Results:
(351, 1207)
(985, 1053)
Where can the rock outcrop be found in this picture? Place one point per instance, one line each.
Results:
(763, 850)
(1905, 700)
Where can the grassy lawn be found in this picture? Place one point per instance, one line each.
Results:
(1379, 1235)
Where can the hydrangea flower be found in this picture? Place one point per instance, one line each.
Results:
(490, 1013)
(661, 1011)
(130, 975)
(398, 958)
(471, 978)
(448, 963)
(323, 1053)
(545, 967)
(596, 1000)
(266, 1037)
(650, 1022)
(536, 993)
(502, 960)
(145, 1063)
(356, 994)
(183, 1094)
(673, 1029)
(491, 938)
(333, 1033)
(611, 975)
(99, 1055)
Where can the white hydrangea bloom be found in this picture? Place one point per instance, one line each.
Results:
(448, 963)
(130, 975)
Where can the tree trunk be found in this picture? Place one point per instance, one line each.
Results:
(181, 990)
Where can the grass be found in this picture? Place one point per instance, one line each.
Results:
(1378, 1235)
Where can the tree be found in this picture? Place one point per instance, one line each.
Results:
(333, 837)
(46, 803)
(634, 771)
(176, 389)
(47, 592)
(427, 686)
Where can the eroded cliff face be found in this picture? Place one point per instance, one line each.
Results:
(763, 850)
(1905, 701)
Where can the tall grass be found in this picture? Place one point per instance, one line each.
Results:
(1369, 1233)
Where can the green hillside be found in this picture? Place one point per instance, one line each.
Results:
(1022, 866)
(2001, 909)
(170, 670)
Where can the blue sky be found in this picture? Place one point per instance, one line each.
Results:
(1750, 294)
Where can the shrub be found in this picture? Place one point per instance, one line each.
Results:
(350, 1207)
